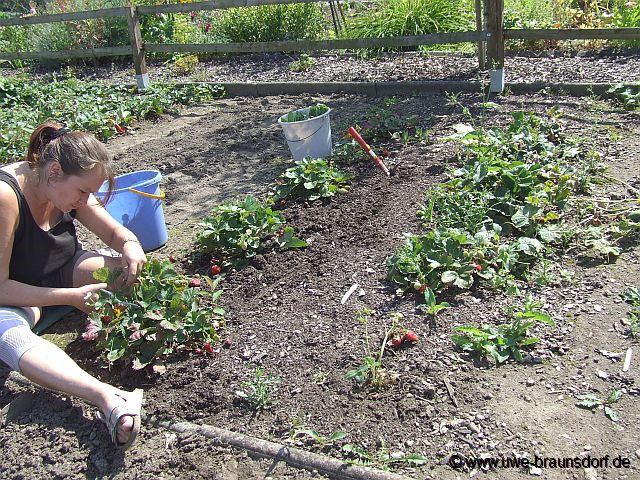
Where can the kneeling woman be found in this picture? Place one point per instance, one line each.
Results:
(42, 263)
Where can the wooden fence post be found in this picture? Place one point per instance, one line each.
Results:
(481, 44)
(142, 78)
(495, 44)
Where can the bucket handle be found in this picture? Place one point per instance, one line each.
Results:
(308, 136)
(159, 196)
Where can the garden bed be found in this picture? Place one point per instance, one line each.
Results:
(284, 314)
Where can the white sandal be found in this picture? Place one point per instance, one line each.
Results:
(130, 406)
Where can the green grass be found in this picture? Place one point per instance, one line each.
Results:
(408, 17)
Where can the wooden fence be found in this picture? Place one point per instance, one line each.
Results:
(489, 36)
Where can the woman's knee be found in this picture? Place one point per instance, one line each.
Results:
(16, 337)
(87, 263)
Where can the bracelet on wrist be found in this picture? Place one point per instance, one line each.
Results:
(131, 240)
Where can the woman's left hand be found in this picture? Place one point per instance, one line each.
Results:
(133, 259)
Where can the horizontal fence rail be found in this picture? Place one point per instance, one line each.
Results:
(64, 17)
(214, 5)
(316, 45)
(573, 34)
(126, 50)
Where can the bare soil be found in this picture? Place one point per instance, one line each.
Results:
(284, 314)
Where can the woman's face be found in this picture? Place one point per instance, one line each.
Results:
(70, 192)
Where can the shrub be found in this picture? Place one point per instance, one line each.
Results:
(626, 14)
(270, 23)
(91, 33)
(185, 64)
(409, 17)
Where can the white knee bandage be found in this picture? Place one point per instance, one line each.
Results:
(16, 336)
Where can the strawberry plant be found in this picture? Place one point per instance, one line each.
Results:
(370, 371)
(323, 441)
(238, 230)
(500, 342)
(591, 401)
(304, 63)
(160, 315)
(95, 107)
(629, 96)
(438, 259)
(381, 459)
(311, 179)
(385, 124)
(505, 208)
(430, 305)
(632, 296)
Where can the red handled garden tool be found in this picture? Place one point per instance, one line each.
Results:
(352, 131)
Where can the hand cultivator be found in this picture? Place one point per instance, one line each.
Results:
(352, 131)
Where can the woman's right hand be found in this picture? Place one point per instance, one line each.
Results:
(82, 300)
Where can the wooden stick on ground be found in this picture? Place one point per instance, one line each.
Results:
(292, 456)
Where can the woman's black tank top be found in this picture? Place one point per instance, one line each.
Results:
(37, 253)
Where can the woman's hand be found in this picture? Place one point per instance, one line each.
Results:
(85, 294)
(133, 259)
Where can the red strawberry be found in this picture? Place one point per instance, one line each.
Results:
(227, 342)
(106, 319)
(172, 259)
(478, 267)
(215, 270)
(410, 337)
(208, 348)
(198, 350)
(396, 342)
(194, 282)
(422, 289)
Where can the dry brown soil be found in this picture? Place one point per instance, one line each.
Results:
(284, 314)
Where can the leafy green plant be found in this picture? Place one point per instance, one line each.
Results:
(311, 179)
(269, 23)
(632, 296)
(382, 459)
(323, 441)
(591, 401)
(238, 230)
(370, 371)
(447, 206)
(158, 316)
(440, 258)
(304, 63)
(185, 64)
(305, 113)
(628, 95)
(259, 392)
(505, 208)
(384, 124)
(83, 105)
(430, 305)
(500, 342)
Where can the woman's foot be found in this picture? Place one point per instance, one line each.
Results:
(122, 417)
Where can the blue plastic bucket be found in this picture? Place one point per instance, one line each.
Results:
(136, 203)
